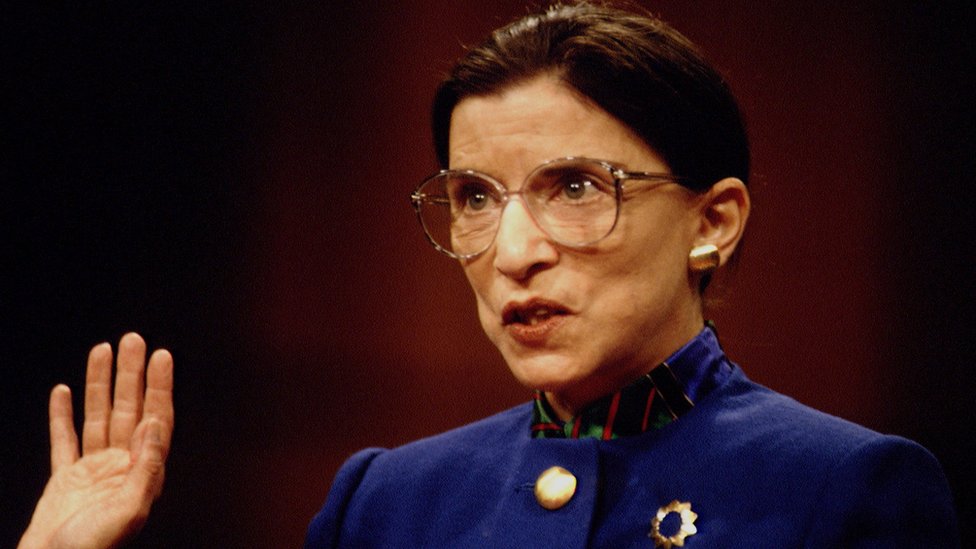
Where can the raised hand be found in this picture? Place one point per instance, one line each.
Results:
(101, 496)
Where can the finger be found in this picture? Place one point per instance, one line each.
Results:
(98, 405)
(64, 440)
(144, 482)
(159, 395)
(127, 404)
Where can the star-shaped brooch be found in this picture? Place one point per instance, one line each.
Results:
(687, 528)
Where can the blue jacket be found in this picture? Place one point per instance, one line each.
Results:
(758, 469)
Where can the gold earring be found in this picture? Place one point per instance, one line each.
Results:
(704, 258)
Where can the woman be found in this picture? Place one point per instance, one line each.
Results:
(595, 177)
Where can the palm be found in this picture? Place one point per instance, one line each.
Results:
(89, 494)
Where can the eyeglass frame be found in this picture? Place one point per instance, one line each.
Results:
(619, 175)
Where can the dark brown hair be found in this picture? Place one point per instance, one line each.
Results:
(634, 66)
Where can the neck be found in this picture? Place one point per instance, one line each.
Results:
(564, 411)
(568, 404)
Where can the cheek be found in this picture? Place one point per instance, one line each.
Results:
(658, 244)
(489, 320)
(641, 258)
(479, 279)
(477, 276)
(643, 274)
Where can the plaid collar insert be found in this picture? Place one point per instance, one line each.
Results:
(650, 402)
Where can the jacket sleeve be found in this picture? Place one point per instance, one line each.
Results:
(326, 527)
(889, 492)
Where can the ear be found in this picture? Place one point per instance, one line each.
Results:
(724, 211)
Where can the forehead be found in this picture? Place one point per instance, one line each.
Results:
(510, 133)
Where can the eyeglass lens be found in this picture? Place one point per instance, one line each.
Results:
(573, 201)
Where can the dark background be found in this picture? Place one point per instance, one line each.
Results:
(231, 181)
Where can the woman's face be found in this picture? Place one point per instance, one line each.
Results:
(577, 323)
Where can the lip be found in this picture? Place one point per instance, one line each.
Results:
(537, 333)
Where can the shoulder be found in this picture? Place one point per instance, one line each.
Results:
(749, 418)
(755, 414)
(375, 491)
(503, 425)
(483, 441)
(853, 484)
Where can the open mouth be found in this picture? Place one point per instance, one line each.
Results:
(532, 313)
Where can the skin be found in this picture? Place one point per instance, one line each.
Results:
(100, 496)
(631, 298)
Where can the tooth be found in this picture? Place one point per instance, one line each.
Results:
(538, 315)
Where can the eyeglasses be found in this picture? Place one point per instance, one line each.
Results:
(575, 201)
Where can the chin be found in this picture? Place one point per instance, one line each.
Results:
(551, 373)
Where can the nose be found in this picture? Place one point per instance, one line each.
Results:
(522, 248)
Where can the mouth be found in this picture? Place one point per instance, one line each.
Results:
(532, 313)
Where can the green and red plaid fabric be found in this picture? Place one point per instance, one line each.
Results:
(651, 402)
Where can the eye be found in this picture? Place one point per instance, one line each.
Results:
(476, 199)
(576, 188)
(470, 195)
